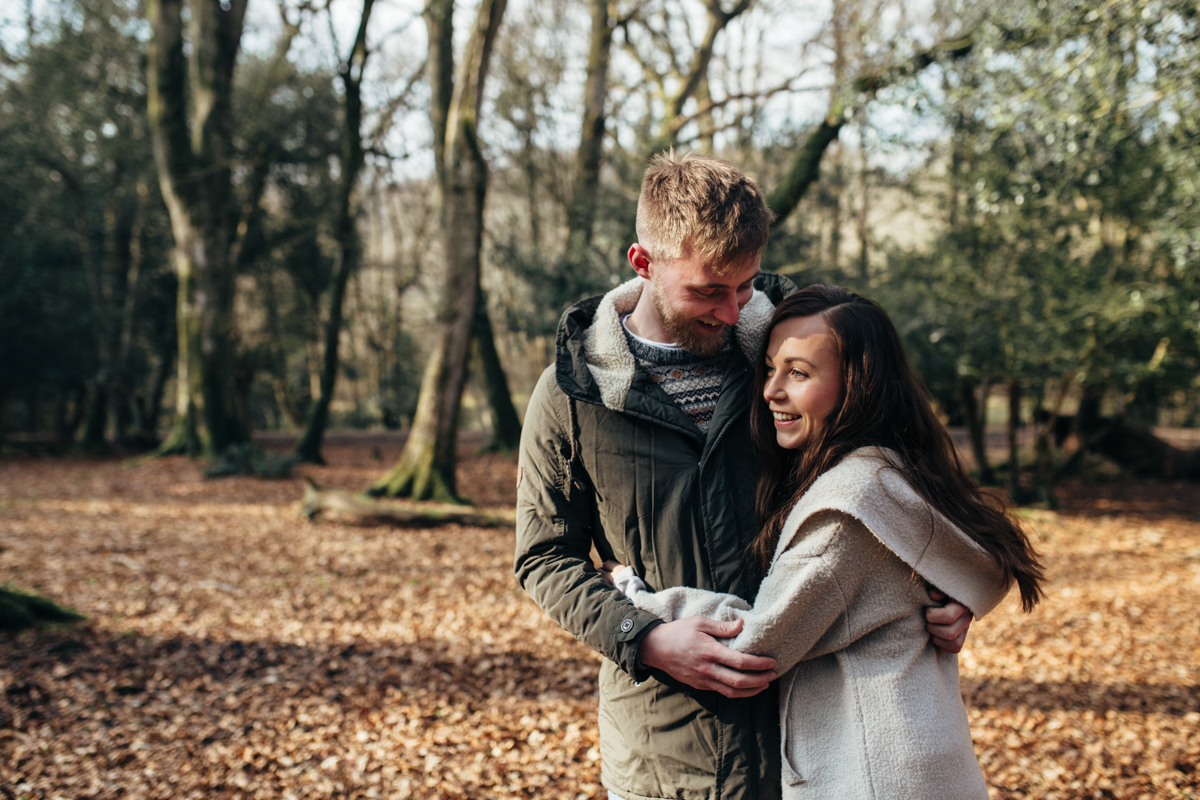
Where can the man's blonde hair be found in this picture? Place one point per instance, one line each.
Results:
(702, 206)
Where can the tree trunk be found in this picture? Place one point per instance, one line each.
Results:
(122, 385)
(96, 417)
(67, 421)
(98, 272)
(1014, 451)
(837, 174)
(1087, 419)
(1045, 422)
(976, 414)
(506, 425)
(184, 437)
(864, 217)
(346, 504)
(834, 193)
(190, 112)
(1043, 464)
(426, 468)
(308, 447)
(152, 409)
(581, 214)
(804, 168)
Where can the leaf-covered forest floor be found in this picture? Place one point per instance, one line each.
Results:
(234, 650)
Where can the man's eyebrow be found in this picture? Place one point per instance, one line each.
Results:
(718, 285)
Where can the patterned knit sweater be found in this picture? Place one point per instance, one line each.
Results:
(693, 382)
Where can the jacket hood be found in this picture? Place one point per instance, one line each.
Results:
(865, 486)
(594, 362)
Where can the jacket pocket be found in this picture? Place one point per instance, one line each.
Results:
(791, 774)
(655, 742)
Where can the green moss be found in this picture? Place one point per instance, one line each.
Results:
(20, 610)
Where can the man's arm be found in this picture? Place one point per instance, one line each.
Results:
(554, 540)
(553, 564)
(688, 651)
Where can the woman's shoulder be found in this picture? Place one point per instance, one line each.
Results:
(869, 486)
(856, 487)
(865, 477)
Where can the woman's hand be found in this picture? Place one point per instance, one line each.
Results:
(947, 622)
(608, 569)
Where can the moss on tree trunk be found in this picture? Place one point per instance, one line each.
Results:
(21, 610)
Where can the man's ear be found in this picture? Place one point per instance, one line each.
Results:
(639, 259)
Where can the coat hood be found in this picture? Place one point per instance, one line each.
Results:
(867, 487)
(594, 362)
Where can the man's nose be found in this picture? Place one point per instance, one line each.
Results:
(728, 311)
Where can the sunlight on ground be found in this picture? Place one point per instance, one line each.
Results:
(235, 650)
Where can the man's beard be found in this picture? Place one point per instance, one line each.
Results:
(683, 330)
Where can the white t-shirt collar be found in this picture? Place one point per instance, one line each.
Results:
(647, 342)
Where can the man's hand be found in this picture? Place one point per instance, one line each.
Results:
(688, 651)
(947, 623)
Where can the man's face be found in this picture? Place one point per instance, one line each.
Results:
(697, 307)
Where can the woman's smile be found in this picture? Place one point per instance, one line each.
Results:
(804, 379)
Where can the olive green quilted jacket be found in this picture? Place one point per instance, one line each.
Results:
(608, 458)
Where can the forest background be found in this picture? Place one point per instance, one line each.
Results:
(229, 217)
(228, 227)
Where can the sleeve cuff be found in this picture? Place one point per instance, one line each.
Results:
(631, 642)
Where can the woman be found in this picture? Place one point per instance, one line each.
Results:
(863, 505)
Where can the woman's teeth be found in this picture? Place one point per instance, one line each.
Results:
(779, 415)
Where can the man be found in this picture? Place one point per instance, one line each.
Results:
(635, 440)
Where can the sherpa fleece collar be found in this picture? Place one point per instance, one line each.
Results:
(607, 350)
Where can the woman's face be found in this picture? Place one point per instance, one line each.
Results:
(804, 379)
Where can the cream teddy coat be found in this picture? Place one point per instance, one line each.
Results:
(868, 707)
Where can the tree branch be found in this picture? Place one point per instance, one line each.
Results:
(468, 84)
(712, 105)
(804, 168)
(717, 21)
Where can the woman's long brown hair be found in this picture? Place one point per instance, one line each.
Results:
(883, 404)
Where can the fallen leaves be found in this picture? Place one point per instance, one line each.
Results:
(236, 651)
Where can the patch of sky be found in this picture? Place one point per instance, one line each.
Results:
(1002, 62)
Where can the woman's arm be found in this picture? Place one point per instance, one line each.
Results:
(803, 600)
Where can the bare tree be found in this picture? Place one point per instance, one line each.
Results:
(485, 362)
(308, 447)
(581, 210)
(426, 468)
(190, 105)
(676, 75)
